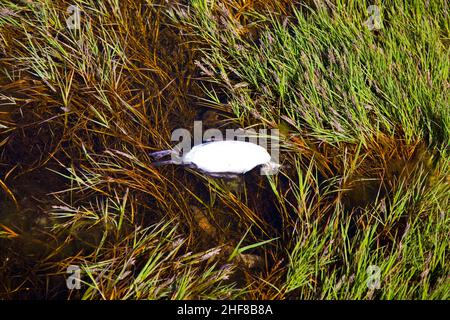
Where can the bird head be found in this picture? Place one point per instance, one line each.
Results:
(270, 168)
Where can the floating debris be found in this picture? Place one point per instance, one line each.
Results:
(220, 159)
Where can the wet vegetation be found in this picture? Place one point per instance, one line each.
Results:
(364, 122)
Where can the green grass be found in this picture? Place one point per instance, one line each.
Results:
(364, 122)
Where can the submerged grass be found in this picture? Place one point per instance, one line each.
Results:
(358, 211)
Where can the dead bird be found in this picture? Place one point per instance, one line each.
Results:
(222, 159)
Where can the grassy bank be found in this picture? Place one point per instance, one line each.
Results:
(358, 211)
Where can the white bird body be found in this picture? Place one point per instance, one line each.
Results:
(224, 158)
(227, 156)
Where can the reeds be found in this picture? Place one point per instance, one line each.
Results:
(364, 123)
